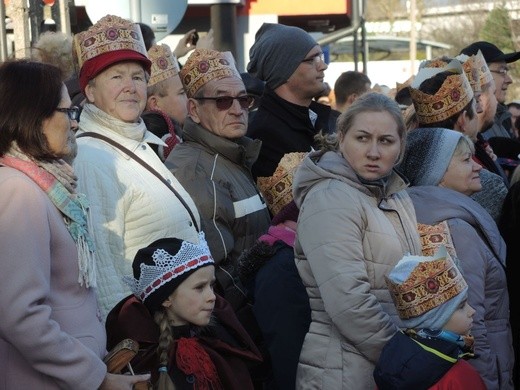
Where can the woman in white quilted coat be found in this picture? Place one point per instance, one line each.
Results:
(355, 224)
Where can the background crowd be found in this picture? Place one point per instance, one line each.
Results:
(256, 230)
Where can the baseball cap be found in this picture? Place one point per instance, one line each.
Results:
(490, 52)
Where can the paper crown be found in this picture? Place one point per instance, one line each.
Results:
(432, 282)
(111, 33)
(164, 64)
(162, 262)
(277, 189)
(204, 65)
(481, 65)
(451, 98)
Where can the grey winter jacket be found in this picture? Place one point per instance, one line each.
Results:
(482, 254)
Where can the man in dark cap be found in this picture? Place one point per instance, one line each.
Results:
(292, 65)
(497, 62)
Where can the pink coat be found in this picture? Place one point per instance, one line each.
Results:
(51, 335)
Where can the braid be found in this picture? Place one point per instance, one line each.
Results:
(165, 341)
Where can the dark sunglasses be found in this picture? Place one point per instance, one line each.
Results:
(225, 102)
(73, 112)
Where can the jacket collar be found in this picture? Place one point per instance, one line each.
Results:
(242, 151)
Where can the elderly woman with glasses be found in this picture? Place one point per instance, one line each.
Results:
(131, 205)
(214, 163)
(51, 335)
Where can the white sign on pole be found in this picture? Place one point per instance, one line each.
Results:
(162, 16)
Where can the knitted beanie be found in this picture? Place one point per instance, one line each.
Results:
(163, 265)
(277, 52)
(426, 290)
(428, 154)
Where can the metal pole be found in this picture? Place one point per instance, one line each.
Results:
(19, 13)
(64, 17)
(224, 24)
(3, 33)
(413, 37)
(135, 10)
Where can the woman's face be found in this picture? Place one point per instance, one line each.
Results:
(372, 144)
(462, 174)
(193, 301)
(120, 91)
(59, 129)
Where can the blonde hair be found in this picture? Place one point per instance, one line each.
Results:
(55, 48)
(165, 340)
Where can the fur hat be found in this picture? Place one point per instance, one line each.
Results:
(428, 154)
(112, 39)
(164, 64)
(451, 98)
(426, 290)
(277, 189)
(204, 65)
(163, 265)
(277, 51)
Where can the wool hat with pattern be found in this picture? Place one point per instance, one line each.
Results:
(277, 52)
(428, 154)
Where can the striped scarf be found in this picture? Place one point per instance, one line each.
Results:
(58, 181)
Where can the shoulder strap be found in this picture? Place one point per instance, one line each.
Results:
(144, 164)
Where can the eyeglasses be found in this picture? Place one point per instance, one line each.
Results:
(502, 71)
(73, 112)
(225, 102)
(315, 59)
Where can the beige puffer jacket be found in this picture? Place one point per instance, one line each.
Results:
(349, 236)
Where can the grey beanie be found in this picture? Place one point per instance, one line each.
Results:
(277, 52)
(428, 154)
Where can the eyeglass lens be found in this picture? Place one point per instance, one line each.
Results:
(225, 102)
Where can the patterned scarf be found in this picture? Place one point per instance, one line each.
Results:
(59, 183)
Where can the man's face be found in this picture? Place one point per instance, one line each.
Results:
(307, 80)
(499, 70)
(488, 102)
(230, 123)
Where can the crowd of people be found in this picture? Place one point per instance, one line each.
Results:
(247, 233)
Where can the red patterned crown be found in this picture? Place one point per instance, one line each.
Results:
(204, 65)
(164, 64)
(428, 282)
(110, 33)
(277, 189)
(451, 98)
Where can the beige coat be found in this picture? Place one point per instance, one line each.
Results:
(349, 236)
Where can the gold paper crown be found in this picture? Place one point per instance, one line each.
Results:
(481, 65)
(277, 189)
(110, 33)
(204, 65)
(164, 64)
(429, 285)
(451, 98)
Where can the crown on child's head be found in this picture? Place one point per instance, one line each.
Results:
(164, 64)
(277, 189)
(163, 265)
(420, 284)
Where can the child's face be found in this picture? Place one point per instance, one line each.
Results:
(193, 301)
(461, 320)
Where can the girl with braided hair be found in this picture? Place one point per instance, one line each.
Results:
(189, 337)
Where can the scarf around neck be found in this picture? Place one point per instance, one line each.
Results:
(57, 180)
